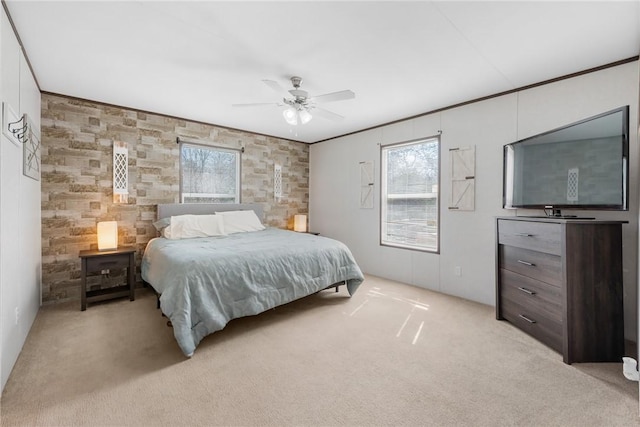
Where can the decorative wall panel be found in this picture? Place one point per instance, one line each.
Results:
(463, 178)
(366, 184)
(120, 172)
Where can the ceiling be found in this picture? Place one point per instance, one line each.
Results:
(195, 59)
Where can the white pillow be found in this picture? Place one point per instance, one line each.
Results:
(189, 226)
(240, 221)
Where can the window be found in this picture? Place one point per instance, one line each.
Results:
(409, 194)
(209, 174)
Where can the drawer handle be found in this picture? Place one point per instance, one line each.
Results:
(526, 318)
(526, 291)
(524, 235)
(526, 263)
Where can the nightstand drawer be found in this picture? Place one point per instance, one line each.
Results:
(539, 265)
(540, 298)
(537, 236)
(107, 262)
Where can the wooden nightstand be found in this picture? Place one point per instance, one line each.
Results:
(95, 262)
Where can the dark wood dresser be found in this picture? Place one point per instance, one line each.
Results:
(560, 281)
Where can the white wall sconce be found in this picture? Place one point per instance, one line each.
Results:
(120, 172)
(300, 223)
(107, 235)
(277, 182)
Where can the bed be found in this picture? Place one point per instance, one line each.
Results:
(205, 282)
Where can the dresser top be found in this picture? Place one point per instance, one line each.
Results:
(562, 220)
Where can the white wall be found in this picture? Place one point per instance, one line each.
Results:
(20, 237)
(467, 239)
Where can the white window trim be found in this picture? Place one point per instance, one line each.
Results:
(237, 151)
(383, 196)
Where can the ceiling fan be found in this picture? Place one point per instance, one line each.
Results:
(300, 104)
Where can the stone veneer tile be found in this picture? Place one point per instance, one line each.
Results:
(77, 143)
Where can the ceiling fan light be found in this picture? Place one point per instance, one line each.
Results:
(290, 116)
(305, 116)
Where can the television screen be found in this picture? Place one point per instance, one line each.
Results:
(579, 166)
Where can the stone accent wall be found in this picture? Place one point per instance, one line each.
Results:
(77, 150)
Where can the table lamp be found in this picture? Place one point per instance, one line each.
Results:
(107, 235)
(300, 223)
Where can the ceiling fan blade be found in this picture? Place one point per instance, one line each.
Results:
(276, 87)
(334, 96)
(321, 112)
(258, 104)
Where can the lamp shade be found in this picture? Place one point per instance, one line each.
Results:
(305, 117)
(290, 116)
(300, 223)
(107, 235)
(294, 115)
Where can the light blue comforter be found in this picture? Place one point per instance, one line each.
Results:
(206, 282)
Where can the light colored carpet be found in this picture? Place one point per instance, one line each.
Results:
(391, 355)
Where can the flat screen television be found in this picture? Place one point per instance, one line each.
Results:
(583, 165)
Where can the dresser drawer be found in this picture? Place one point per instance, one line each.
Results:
(539, 265)
(538, 326)
(537, 236)
(539, 297)
(107, 262)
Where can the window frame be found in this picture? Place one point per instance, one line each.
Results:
(383, 196)
(237, 151)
